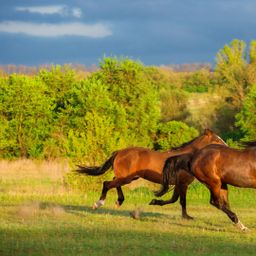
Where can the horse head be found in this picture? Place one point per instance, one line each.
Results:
(209, 137)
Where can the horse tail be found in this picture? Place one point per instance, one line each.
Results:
(171, 167)
(97, 170)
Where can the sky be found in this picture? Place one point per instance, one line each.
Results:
(154, 32)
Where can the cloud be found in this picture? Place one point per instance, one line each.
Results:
(47, 9)
(76, 12)
(96, 30)
(52, 9)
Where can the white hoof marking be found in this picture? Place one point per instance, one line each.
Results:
(98, 204)
(241, 226)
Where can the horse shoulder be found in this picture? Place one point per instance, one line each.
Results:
(206, 161)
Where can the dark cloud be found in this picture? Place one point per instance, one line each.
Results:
(155, 32)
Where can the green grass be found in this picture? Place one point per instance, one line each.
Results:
(42, 217)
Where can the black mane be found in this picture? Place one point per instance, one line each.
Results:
(184, 144)
(248, 143)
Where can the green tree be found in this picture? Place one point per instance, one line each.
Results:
(246, 119)
(231, 70)
(252, 52)
(96, 125)
(130, 86)
(26, 114)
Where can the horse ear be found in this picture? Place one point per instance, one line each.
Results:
(208, 131)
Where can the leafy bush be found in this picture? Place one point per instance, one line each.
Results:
(173, 134)
(199, 81)
(26, 116)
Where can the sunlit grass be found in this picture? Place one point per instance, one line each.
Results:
(39, 215)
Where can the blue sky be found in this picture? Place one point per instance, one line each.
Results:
(155, 32)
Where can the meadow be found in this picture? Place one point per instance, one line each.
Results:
(41, 215)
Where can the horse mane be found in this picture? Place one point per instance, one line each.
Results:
(184, 144)
(249, 143)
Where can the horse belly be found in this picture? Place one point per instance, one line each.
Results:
(151, 175)
(240, 179)
(150, 167)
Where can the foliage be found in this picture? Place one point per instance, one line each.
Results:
(55, 112)
(173, 134)
(26, 116)
(56, 115)
(174, 104)
(130, 86)
(246, 119)
(233, 70)
(93, 123)
(200, 81)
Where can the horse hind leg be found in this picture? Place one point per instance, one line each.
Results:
(174, 198)
(180, 191)
(183, 196)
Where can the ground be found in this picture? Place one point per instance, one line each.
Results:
(40, 215)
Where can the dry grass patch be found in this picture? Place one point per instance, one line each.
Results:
(31, 209)
(33, 169)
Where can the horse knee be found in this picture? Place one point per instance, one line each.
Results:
(215, 203)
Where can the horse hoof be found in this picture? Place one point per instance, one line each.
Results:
(95, 206)
(98, 204)
(245, 229)
(241, 226)
(117, 205)
(153, 202)
(187, 217)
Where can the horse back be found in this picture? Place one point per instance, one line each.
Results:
(138, 161)
(225, 164)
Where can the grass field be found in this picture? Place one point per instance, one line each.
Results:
(41, 216)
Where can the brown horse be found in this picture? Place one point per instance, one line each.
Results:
(216, 166)
(132, 163)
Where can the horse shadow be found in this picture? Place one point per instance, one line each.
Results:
(80, 210)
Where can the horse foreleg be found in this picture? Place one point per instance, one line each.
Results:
(116, 183)
(227, 210)
(120, 199)
(234, 218)
(220, 200)
(103, 196)
(224, 195)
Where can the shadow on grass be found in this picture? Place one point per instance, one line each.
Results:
(153, 217)
(78, 210)
(145, 216)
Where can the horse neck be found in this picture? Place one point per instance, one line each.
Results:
(181, 151)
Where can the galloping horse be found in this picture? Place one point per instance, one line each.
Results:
(132, 163)
(216, 166)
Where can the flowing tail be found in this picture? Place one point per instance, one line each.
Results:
(97, 170)
(171, 167)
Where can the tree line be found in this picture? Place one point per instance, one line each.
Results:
(56, 112)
